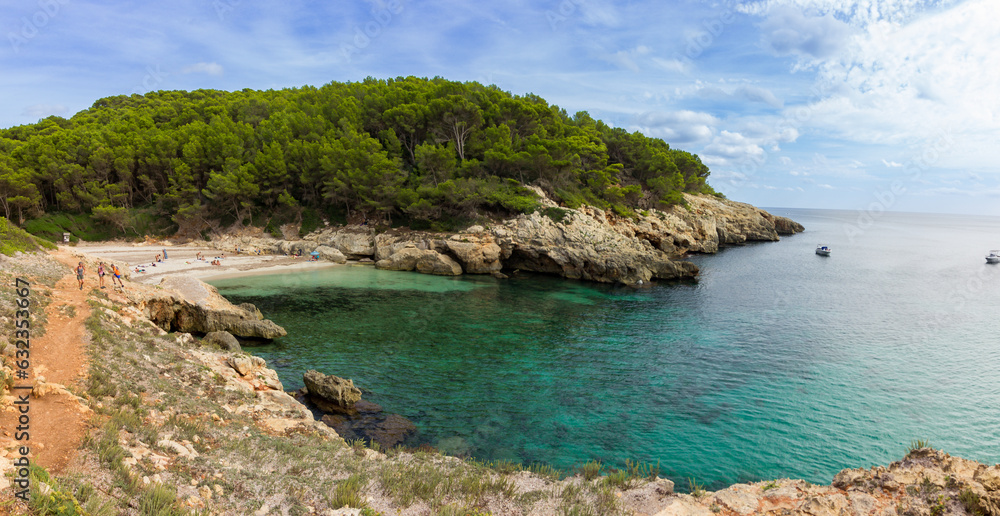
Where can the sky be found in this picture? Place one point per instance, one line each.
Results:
(865, 105)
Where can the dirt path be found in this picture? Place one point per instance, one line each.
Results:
(58, 421)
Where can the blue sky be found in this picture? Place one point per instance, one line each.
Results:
(853, 104)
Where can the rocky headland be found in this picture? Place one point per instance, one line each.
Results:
(585, 243)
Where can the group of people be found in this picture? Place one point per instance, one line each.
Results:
(116, 275)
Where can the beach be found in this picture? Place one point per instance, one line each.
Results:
(138, 261)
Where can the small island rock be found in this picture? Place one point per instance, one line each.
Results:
(331, 393)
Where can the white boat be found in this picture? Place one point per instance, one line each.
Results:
(823, 250)
(993, 257)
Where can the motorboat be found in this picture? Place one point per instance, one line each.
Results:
(993, 257)
(823, 250)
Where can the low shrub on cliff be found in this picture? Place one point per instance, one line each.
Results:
(14, 239)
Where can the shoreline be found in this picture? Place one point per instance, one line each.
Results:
(182, 261)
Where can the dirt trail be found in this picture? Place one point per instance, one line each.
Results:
(58, 421)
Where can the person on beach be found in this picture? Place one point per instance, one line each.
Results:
(100, 274)
(164, 253)
(116, 275)
(79, 274)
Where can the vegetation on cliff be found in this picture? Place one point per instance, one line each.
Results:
(411, 150)
(14, 239)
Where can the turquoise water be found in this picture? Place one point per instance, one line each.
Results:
(777, 363)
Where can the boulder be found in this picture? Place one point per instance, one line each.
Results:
(476, 257)
(246, 365)
(355, 242)
(330, 254)
(433, 262)
(222, 339)
(172, 311)
(426, 261)
(331, 393)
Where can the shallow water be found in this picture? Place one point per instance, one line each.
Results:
(777, 363)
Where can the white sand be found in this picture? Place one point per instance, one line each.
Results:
(182, 260)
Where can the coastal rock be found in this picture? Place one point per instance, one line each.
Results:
(222, 339)
(584, 245)
(246, 365)
(302, 247)
(330, 254)
(355, 242)
(172, 311)
(391, 242)
(425, 261)
(331, 393)
(386, 429)
(787, 226)
(392, 430)
(476, 257)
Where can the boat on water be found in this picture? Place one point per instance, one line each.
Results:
(822, 250)
(993, 257)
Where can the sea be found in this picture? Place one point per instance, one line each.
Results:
(776, 363)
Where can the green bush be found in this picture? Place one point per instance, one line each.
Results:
(14, 239)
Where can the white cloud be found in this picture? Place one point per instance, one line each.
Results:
(891, 164)
(626, 59)
(734, 146)
(209, 68)
(907, 77)
(677, 126)
(788, 31)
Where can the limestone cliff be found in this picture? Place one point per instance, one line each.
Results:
(585, 243)
(185, 304)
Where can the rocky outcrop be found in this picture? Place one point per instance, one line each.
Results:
(223, 339)
(477, 255)
(787, 226)
(188, 305)
(421, 260)
(355, 242)
(925, 482)
(330, 254)
(585, 245)
(331, 393)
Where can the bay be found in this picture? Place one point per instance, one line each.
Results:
(777, 363)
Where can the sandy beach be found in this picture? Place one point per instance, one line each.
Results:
(139, 261)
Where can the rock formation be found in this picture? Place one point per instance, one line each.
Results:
(188, 305)
(330, 254)
(222, 339)
(331, 393)
(584, 243)
(421, 260)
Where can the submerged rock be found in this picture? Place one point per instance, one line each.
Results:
(369, 422)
